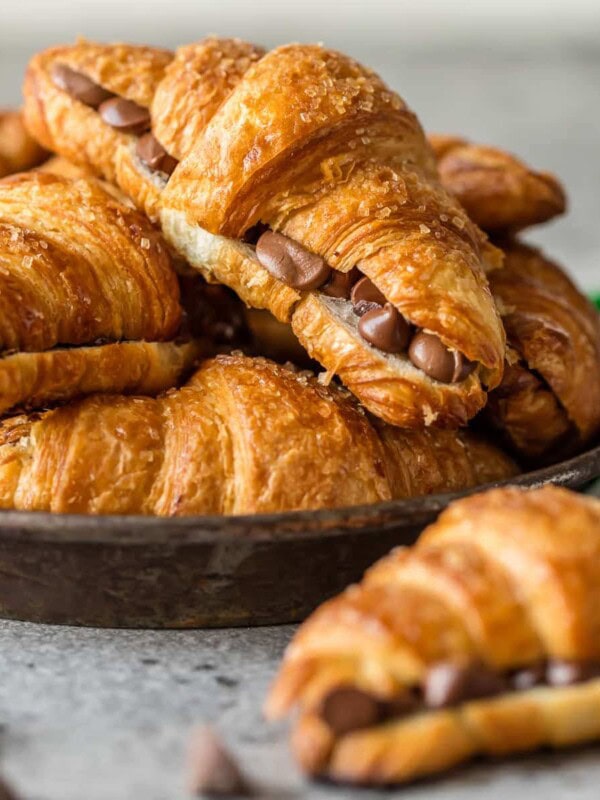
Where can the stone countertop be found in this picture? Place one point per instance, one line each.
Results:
(106, 715)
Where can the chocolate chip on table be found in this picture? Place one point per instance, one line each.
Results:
(79, 86)
(153, 154)
(212, 770)
(125, 115)
(565, 673)
(347, 708)
(429, 354)
(340, 283)
(366, 296)
(449, 683)
(528, 677)
(6, 793)
(291, 263)
(385, 328)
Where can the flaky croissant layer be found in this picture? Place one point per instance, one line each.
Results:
(335, 170)
(243, 436)
(77, 266)
(483, 638)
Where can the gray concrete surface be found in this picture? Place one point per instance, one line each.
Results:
(101, 715)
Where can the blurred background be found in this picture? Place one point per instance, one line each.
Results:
(523, 75)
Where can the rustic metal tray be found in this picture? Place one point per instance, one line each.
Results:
(117, 571)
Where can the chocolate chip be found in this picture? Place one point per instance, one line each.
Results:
(447, 683)
(385, 329)
(347, 709)
(153, 154)
(79, 86)
(404, 703)
(428, 353)
(366, 297)
(125, 115)
(212, 769)
(528, 677)
(565, 673)
(291, 263)
(6, 792)
(340, 283)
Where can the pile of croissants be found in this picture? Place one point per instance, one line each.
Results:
(237, 281)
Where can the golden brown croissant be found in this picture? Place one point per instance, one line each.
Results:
(243, 436)
(499, 191)
(320, 203)
(18, 151)
(79, 268)
(483, 638)
(548, 403)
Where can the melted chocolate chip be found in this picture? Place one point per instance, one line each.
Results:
(79, 86)
(448, 683)
(366, 297)
(347, 709)
(565, 673)
(385, 329)
(291, 263)
(212, 769)
(528, 677)
(402, 704)
(125, 115)
(340, 283)
(153, 154)
(428, 353)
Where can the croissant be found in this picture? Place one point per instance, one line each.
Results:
(499, 191)
(483, 638)
(242, 436)
(18, 151)
(320, 203)
(78, 268)
(548, 404)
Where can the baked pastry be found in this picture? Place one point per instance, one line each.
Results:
(499, 191)
(78, 268)
(243, 436)
(548, 404)
(320, 204)
(57, 165)
(18, 150)
(483, 638)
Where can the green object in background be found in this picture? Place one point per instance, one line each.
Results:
(596, 300)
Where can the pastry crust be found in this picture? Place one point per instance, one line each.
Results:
(548, 403)
(38, 380)
(96, 270)
(18, 150)
(336, 162)
(206, 449)
(499, 191)
(507, 577)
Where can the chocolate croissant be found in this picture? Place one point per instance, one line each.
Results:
(483, 638)
(548, 404)
(243, 436)
(18, 150)
(79, 273)
(320, 203)
(499, 191)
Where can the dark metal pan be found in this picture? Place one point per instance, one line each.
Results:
(117, 571)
